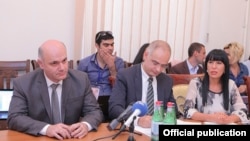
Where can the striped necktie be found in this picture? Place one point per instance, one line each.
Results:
(55, 105)
(150, 97)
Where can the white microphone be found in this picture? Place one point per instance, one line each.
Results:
(139, 109)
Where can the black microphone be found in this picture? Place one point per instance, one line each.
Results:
(123, 116)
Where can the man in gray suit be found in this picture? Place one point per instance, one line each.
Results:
(131, 83)
(30, 108)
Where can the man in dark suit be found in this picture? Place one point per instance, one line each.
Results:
(131, 83)
(193, 65)
(30, 108)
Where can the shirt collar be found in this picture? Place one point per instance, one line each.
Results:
(49, 82)
(145, 75)
(191, 68)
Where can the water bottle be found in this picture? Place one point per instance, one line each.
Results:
(170, 115)
(157, 119)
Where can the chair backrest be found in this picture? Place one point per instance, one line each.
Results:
(180, 87)
(180, 92)
(183, 78)
(127, 64)
(10, 70)
(247, 82)
(77, 62)
(35, 65)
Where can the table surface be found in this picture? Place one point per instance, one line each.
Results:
(10, 135)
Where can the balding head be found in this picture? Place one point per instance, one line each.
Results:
(49, 46)
(156, 57)
(159, 44)
(52, 58)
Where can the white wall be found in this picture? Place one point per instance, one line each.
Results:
(26, 24)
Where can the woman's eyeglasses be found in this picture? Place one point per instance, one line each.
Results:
(102, 34)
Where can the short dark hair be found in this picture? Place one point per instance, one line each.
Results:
(103, 35)
(194, 47)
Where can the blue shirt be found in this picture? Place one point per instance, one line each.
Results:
(239, 78)
(99, 77)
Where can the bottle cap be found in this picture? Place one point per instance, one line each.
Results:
(159, 103)
(170, 104)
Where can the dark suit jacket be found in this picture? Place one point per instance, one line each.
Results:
(30, 105)
(128, 89)
(182, 68)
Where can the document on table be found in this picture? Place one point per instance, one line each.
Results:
(213, 123)
(183, 122)
(146, 131)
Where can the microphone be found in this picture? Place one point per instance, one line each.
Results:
(139, 109)
(123, 116)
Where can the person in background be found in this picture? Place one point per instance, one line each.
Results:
(215, 98)
(193, 65)
(139, 56)
(131, 83)
(247, 63)
(103, 64)
(101, 68)
(31, 107)
(234, 51)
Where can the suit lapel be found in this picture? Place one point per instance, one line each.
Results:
(44, 94)
(160, 85)
(65, 94)
(138, 82)
(186, 67)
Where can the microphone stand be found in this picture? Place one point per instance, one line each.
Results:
(123, 128)
(131, 130)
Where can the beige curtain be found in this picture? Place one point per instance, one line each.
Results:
(135, 22)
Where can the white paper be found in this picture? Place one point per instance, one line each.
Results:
(183, 122)
(95, 91)
(213, 123)
(145, 131)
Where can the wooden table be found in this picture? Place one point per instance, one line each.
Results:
(9, 135)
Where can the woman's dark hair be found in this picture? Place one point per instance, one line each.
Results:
(139, 56)
(217, 55)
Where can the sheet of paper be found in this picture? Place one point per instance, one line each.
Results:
(183, 122)
(95, 91)
(146, 131)
(213, 123)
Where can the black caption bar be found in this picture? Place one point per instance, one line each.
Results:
(200, 132)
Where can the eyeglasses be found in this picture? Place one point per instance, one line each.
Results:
(102, 34)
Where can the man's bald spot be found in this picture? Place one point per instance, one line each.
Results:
(49, 44)
(159, 44)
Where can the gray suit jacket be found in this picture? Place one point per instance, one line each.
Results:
(30, 108)
(182, 68)
(128, 89)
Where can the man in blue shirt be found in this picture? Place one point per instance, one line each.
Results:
(100, 67)
(102, 64)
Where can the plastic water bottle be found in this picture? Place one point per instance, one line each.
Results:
(157, 119)
(170, 116)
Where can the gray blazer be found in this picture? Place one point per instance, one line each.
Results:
(128, 89)
(30, 108)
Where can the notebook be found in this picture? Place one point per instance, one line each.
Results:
(5, 97)
(103, 102)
